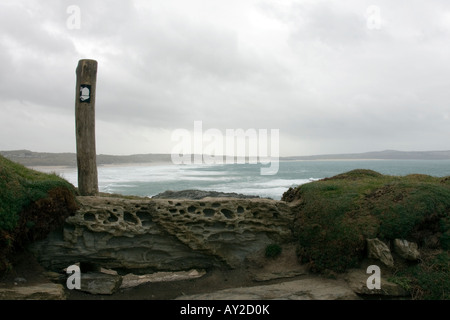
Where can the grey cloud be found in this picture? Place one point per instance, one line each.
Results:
(326, 80)
(322, 22)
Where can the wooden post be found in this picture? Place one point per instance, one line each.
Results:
(85, 127)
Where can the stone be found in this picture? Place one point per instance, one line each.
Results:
(144, 236)
(100, 283)
(377, 249)
(42, 291)
(133, 280)
(303, 289)
(407, 250)
(357, 281)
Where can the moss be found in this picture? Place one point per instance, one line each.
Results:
(32, 204)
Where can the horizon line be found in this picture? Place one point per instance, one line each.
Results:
(281, 156)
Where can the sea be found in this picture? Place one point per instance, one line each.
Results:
(149, 180)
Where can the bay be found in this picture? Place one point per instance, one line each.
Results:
(149, 180)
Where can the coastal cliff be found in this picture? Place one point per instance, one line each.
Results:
(331, 226)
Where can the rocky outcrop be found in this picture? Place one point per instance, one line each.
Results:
(200, 194)
(148, 235)
(377, 249)
(135, 236)
(407, 250)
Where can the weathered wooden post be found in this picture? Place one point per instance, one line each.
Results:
(85, 127)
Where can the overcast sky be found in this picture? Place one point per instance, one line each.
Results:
(332, 76)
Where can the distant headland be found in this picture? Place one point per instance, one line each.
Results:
(31, 158)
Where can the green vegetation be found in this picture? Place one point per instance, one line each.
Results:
(335, 216)
(273, 250)
(31, 204)
(428, 280)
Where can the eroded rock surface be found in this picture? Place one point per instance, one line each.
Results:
(149, 235)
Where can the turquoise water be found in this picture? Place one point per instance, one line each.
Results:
(144, 180)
